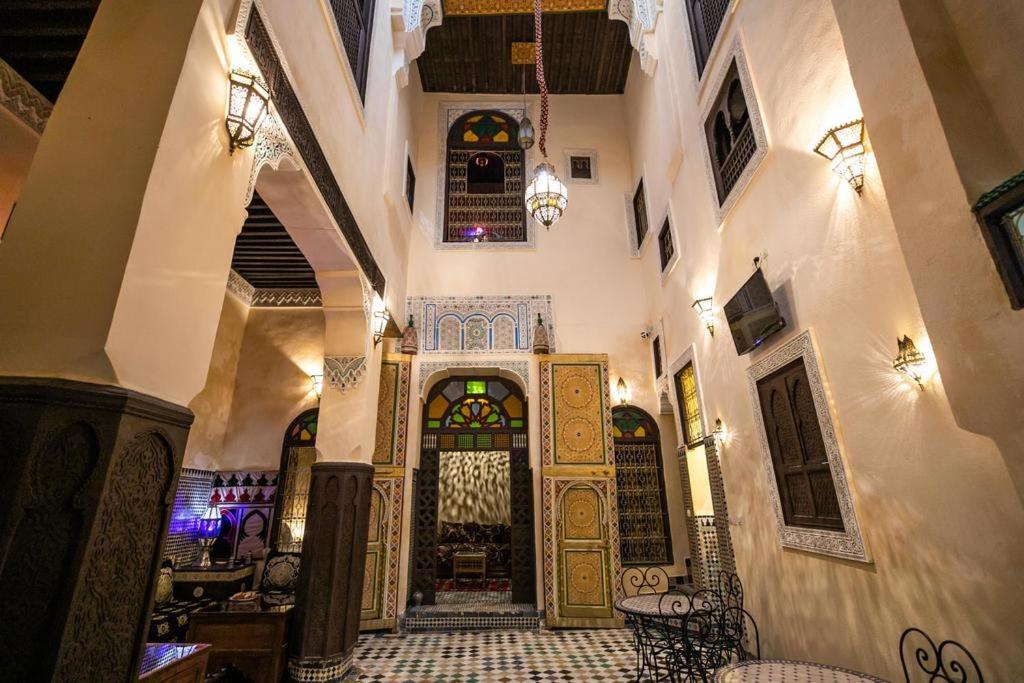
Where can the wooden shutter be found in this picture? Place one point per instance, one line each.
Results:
(807, 491)
(689, 406)
(355, 21)
(706, 17)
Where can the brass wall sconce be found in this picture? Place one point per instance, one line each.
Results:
(381, 320)
(248, 105)
(623, 392)
(706, 313)
(911, 362)
(318, 385)
(719, 434)
(844, 147)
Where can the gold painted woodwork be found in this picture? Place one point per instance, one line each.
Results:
(579, 406)
(581, 512)
(387, 397)
(387, 472)
(524, 53)
(489, 7)
(584, 582)
(579, 471)
(373, 576)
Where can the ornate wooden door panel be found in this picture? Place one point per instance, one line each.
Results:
(524, 584)
(424, 563)
(581, 537)
(375, 555)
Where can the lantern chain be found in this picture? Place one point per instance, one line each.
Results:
(542, 83)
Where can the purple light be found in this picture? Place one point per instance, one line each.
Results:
(209, 524)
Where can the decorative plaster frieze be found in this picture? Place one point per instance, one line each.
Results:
(19, 97)
(272, 147)
(847, 544)
(521, 368)
(344, 373)
(448, 113)
(641, 16)
(410, 21)
(271, 298)
(480, 324)
(240, 287)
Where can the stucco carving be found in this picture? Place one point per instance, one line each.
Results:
(22, 100)
(846, 544)
(641, 17)
(269, 298)
(518, 367)
(344, 373)
(479, 324)
(410, 21)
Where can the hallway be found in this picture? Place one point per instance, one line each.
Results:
(594, 656)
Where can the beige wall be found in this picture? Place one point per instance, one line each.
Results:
(212, 406)
(835, 262)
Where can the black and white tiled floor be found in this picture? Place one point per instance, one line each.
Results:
(596, 656)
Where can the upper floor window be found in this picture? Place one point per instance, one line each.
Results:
(410, 183)
(1001, 215)
(730, 134)
(689, 406)
(355, 23)
(656, 350)
(484, 180)
(706, 17)
(666, 248)
(640, 214)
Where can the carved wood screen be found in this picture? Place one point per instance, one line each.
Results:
(581, 537)
(473, 414)
(380, 587)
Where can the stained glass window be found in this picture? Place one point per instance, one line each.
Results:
(303, 429)
(475, 404)
(632, 423)
(487, 129)
(689, 406)
(475, 413)
(476, 387)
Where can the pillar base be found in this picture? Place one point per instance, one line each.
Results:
(330, 591)
(90, 475)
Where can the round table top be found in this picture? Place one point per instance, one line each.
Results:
(775, 670)
(650, 604)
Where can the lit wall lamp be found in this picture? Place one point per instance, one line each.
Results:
(706, 313)
(912, 362)
(623, 392)
(318, 385)
(208, 528)
(720, 433)
(844, 147)
(381, 318)
(248, 102)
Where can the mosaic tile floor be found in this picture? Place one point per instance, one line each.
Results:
(497, 656)
(473, 597)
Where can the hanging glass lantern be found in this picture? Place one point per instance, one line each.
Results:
(546, 196)
(526, 133)
(248, 100)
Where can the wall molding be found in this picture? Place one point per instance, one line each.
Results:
(520, 368)
(344, 373)
(272, 297)
(21, 99)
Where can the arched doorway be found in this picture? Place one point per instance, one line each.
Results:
(298, 453)
(471, 425)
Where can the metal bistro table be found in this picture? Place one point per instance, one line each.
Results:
(650, 604)
(775, 670)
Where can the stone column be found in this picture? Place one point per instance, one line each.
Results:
(112, 277)
(329, 594)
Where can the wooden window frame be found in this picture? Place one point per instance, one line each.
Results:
(846, 544)
(991, 211)
(659, 363)
(641, 225)
(665, 235)
(703, 40)
(410, 183)
(741, 140)
(359, 60)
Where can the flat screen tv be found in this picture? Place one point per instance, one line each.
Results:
(752, 314)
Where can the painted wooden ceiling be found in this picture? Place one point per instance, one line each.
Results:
(265, 254)
(40, 39)
(584, 53)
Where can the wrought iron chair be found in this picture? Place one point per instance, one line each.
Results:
(641, 581)
(717, 631)
(948, 661)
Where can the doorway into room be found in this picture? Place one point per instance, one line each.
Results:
(473, 549)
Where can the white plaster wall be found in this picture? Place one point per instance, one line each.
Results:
(938, 511)
(17, 147)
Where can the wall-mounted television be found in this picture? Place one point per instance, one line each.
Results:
(752, 314)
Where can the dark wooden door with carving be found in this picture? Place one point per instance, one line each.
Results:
(524, 583)
(807, 492)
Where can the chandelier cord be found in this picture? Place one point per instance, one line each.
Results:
(542, 83)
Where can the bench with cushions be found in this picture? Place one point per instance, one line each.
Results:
(494, 540)
(171, 616)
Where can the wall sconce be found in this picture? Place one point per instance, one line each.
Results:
(248, 102)
(720, 434)
(844, 147)
(911, 362)
(318, 385)
(623, 392)
(706, 314)
(381, 318)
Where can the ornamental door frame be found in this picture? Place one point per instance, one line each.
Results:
(437, 438)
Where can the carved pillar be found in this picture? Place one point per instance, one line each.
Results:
(330, 589)
(692, 539)
(725, 554)
(90, 473)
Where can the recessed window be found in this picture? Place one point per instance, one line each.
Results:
(640, 214)
(730, 134)
(579, 168)
(1001, 215)
(410, 183)
(484, 180)
(640, 488)
(706, 17)
(665, 246)
(656, 350)
(807, 491)
(355, 24)
(689, 406)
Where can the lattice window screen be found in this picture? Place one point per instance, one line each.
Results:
(355, 19)
(643, 526)
(294, 497)
(689, 405)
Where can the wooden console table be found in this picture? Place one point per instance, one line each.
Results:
(469, 563)
(254, 641)
(174, 663)
(218, 582)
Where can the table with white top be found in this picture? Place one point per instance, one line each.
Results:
(782, 670)
(652, 604)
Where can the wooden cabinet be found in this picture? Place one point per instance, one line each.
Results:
(255, 642)
(174, 663)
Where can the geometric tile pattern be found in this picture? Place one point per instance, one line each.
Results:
(190, 502)
(591, 656)
(479, 324)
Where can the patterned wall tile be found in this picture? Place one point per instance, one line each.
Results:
(190, 502)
